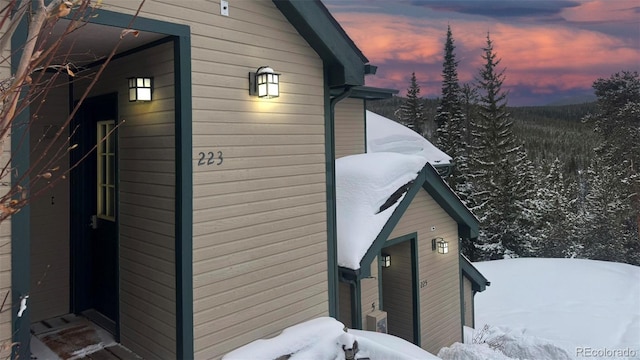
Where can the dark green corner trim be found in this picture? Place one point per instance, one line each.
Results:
(415, 276)
(462, 307)
(364, 118)
(415, 273)
(316, 25)
(184, 197)
(181, 35)
(468, 224)
(478, 281)
(380, 241)
(20, 222)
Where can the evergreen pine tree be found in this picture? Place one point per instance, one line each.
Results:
(501, 174)
(449, 118)
(617, 121)
(411, 112)
(555, 213)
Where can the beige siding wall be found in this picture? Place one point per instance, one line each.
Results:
(50, 285)
(468, 302)
(397, 291)
(350, 128)
(147, 202)
(440, 299)
(259, 234)
(369, 294)
(260, 255)
(344, 306)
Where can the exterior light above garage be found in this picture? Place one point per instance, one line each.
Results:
(385, 260)
(264, 83)
(440, 244)
(140, 88)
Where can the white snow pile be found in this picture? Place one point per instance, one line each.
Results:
(364, 182)
(588, 308)
(323, 339)
(386, 135)
(504, 343)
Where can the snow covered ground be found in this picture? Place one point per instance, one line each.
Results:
(589, 308)
(324, 339)
(535, 309)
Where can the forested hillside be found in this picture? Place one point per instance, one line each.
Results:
(548, 132)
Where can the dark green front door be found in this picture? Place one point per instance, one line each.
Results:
(94, 199)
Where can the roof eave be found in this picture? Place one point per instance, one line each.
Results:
(371, 93)
(478, 282)
(319, 28)
(451, 203)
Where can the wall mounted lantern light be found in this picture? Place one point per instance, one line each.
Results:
(440, 244)
(264, 83)
(385, 260)
(140, 88)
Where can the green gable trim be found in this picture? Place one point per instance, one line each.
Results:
(323, 33)
(468, 225)
(20, 222)
(379, 242)
(479, 283)
(180, 34)
(429, 180)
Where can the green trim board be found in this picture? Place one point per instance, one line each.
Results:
(181, 35)
(184, 195)
(20, 222)
(312, 20)
(462, 307)
(415, 274)
(381, 239)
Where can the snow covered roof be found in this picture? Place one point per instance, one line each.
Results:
(364, 183)
(386, 135)
(371, 187)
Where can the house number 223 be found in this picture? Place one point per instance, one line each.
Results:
(210, 158)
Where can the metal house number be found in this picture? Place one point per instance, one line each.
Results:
(210, 158)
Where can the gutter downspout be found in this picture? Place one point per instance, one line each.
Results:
(331, 199)
(336, 99)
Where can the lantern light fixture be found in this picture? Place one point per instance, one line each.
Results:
(385, 260)
(140, 88)
(264, 83)
(440, 244)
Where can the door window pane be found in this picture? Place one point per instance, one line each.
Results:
(106, 172)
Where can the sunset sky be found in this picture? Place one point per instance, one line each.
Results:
(551, 50)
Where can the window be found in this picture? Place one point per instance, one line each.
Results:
(106, 170)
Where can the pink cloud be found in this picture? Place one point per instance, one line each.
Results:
(542, 57)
